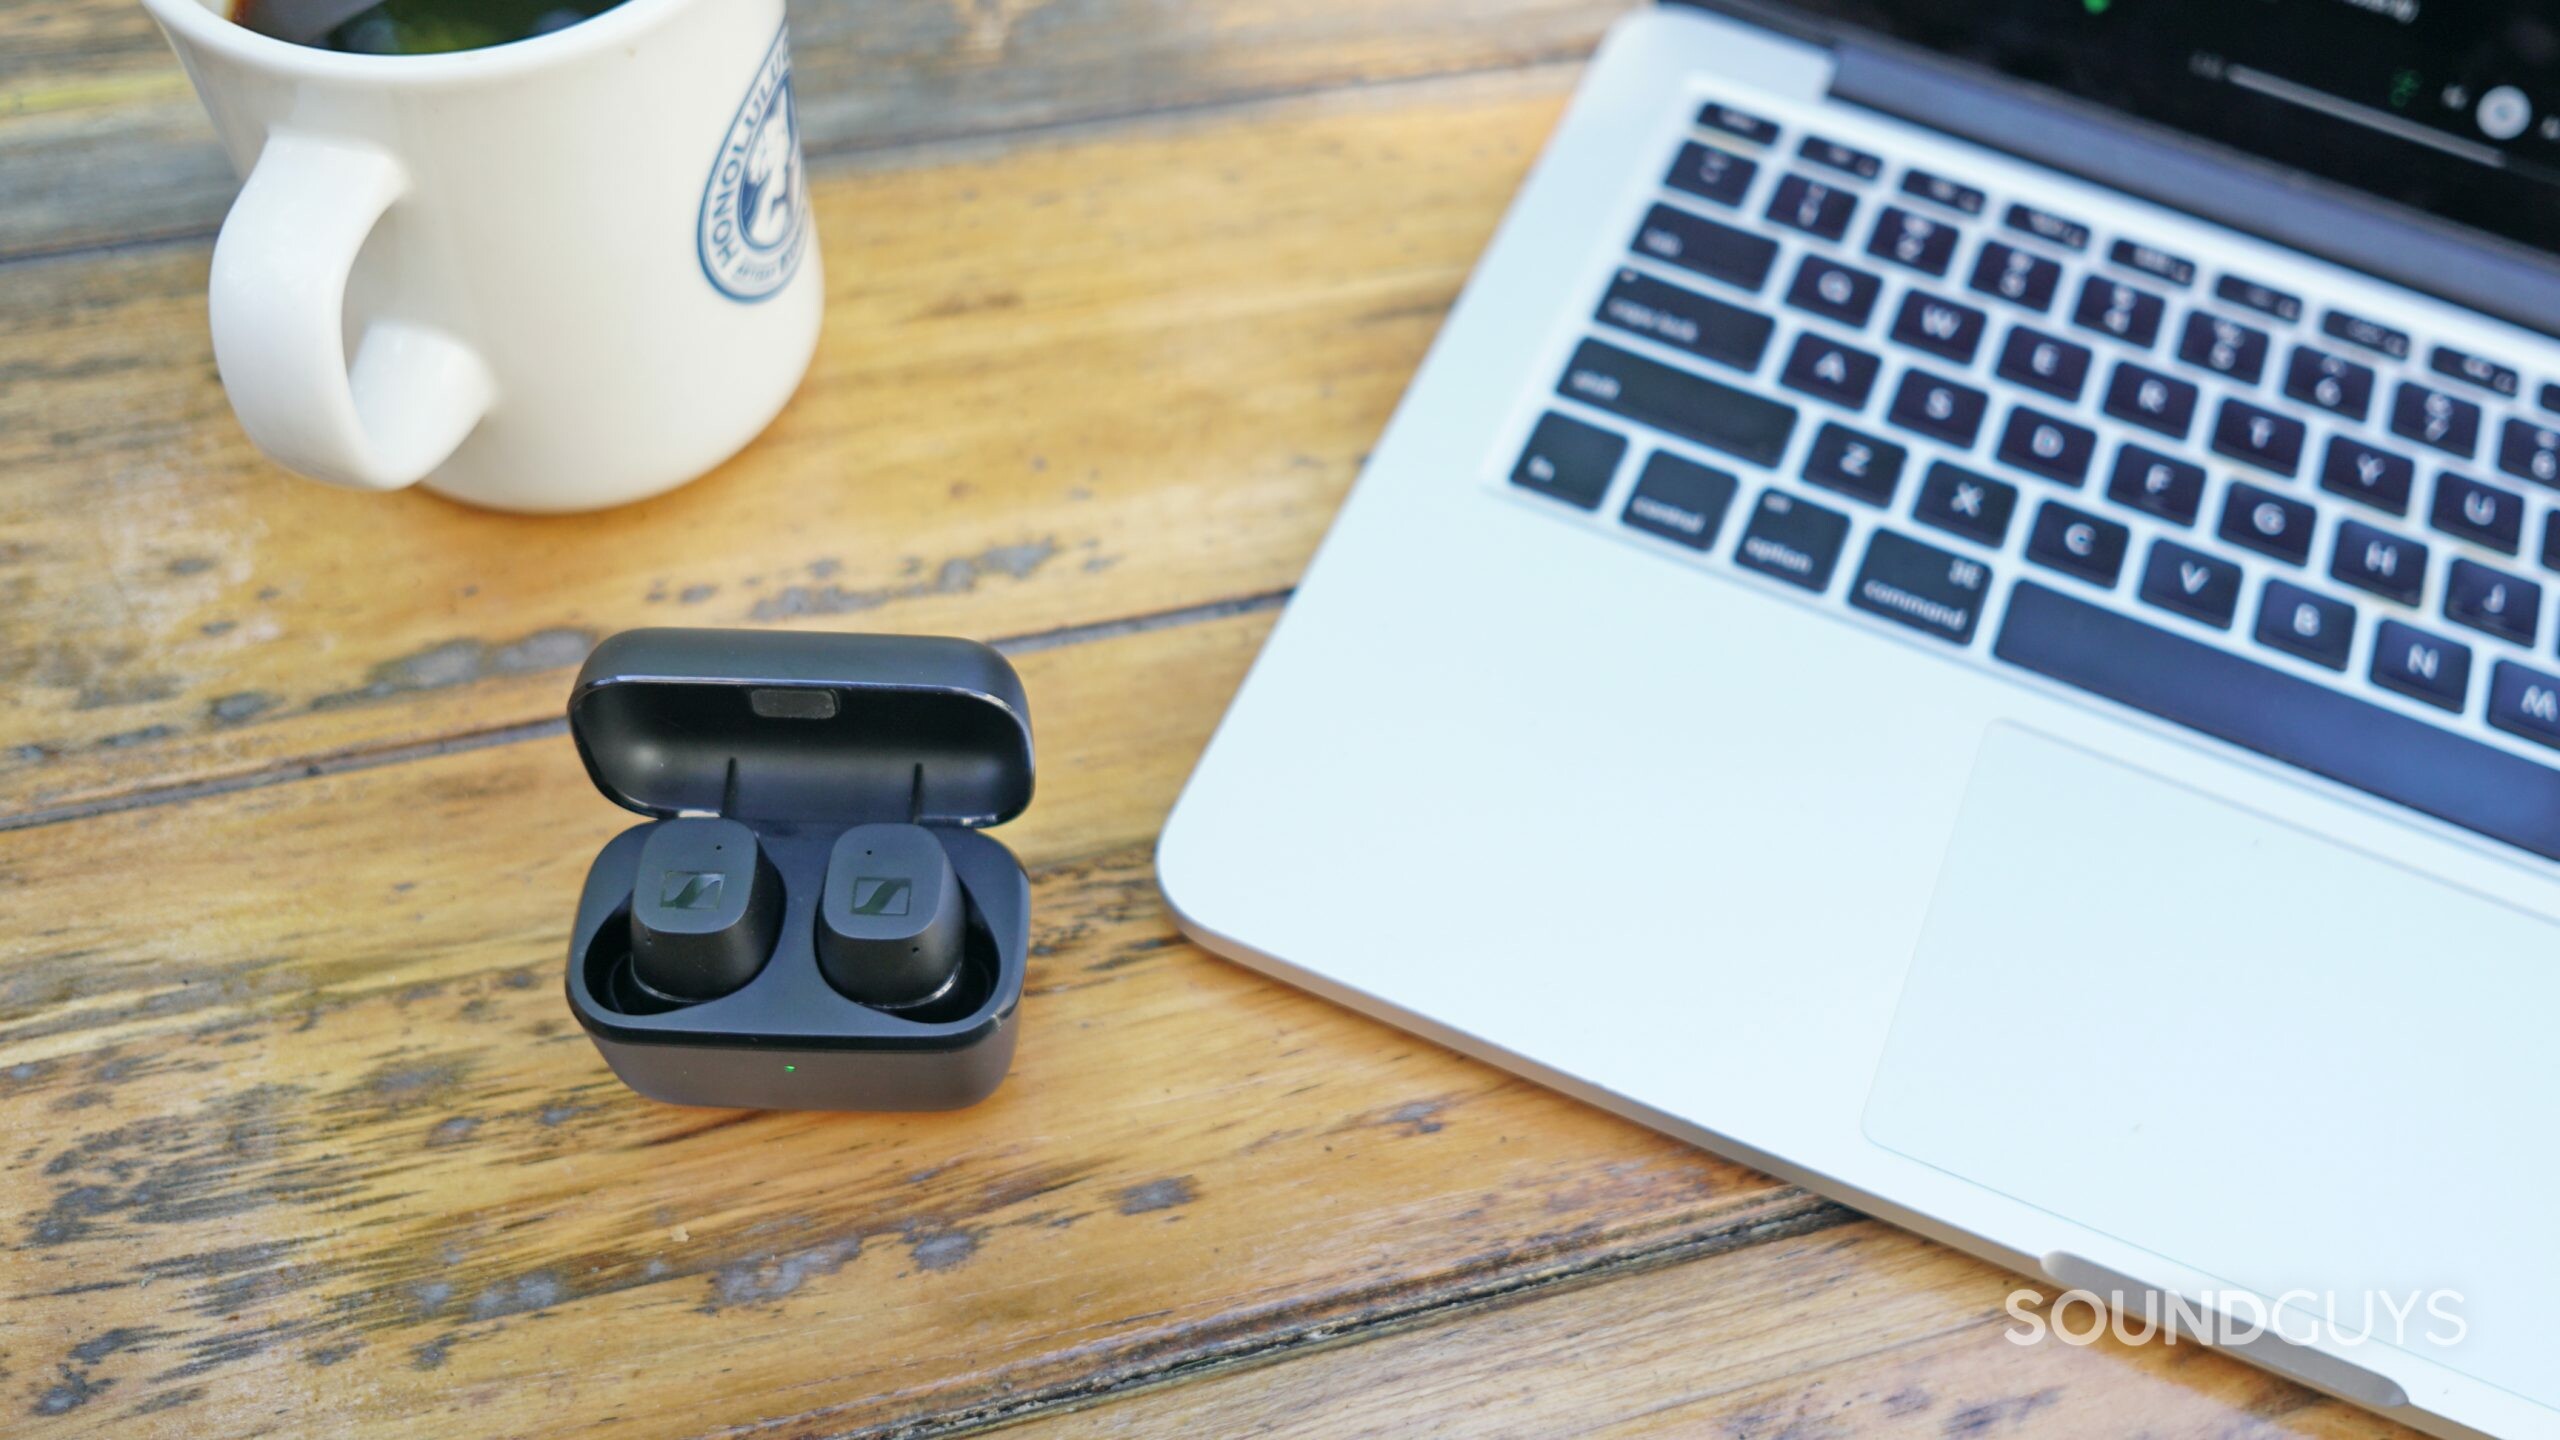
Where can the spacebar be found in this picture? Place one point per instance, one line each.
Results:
(2327, 732)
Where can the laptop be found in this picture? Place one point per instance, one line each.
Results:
(1963, 612)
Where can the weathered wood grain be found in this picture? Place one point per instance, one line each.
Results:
(302, 1140)
(1857, 1330)
(295, 1133)
(1071, 383)
(101, 140)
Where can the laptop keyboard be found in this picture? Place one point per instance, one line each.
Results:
(2235, 507)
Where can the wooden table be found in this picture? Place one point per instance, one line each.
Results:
(296, 1134)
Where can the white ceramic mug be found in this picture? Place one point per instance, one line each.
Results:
(556, 274)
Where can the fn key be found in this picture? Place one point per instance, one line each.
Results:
(1569, 461)
(1921, 586)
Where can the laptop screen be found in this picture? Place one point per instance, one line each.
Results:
(2450, 106)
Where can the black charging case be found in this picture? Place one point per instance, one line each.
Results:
(800, 737)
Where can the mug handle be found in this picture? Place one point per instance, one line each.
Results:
(278, 312)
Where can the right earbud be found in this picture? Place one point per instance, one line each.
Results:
(892, 924)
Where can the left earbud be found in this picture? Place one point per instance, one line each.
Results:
(706, 912)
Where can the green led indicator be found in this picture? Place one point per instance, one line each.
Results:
(2095, 7)
(790, 1067)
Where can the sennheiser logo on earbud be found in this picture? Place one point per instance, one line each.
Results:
(876, 895)
(691, 890)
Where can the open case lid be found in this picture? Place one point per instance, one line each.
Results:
(771, 725)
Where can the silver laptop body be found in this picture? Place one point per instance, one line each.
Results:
(2149, 887)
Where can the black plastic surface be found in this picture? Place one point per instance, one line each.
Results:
(892, 923)
(704, 917)
(804, 727)
(789, 1011)
(800, 739)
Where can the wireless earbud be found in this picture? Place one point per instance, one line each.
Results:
(891, 920)
(705, 911)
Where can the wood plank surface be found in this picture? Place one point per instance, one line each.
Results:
(1039, 366)
(296, 1134)
(328, 1155)
(303, 1140)
(1854, 1330)
(103, 143)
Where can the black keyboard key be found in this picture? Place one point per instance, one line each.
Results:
(1831, 154)
(2551, 541)
(2277, 526)
(2431, 417)
(2550, 399)
(2191, 583)
(2042, 445)
(2332, 382)
(2372, 335)
(2373, 476)
(1941, 327)
(2041, 362)
(2127, 312)
(2472, 369)
(2531, 452)
(1858, 466)
(1741, 126)
(1939, 409)
(2069, 234)
(2159, 264)
(2263, 438)
(2151, 400)
(2157, 484)
(1834, 291)
(2225, 347)
(2306, 624)
(1751, 427)
(1829, 370)
(2379, 562)
(2493, 602)
(1795, 540)
(1686, 320)
(2078, 543)
(2525, 702)
(1680, 500)
(1913, 241)
(1569, 460)
(2421, 666)
(1813, 207)
(1943, 191)
(2021, 277)
(2304, 723)
(1921, 586)
(2482, 514)
(1711, 174)
(2265, 299)
(1714, 250)
(1961, 502)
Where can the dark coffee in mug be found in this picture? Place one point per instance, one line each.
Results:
(411, 27)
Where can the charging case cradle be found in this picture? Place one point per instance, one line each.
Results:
(800, 737)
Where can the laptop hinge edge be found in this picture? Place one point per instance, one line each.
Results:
(2480, 272)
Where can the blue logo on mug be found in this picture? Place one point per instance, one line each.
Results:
(755, 213)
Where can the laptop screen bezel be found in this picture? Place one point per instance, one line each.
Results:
(2287, 142)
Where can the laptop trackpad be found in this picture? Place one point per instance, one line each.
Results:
(2285, 1063)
